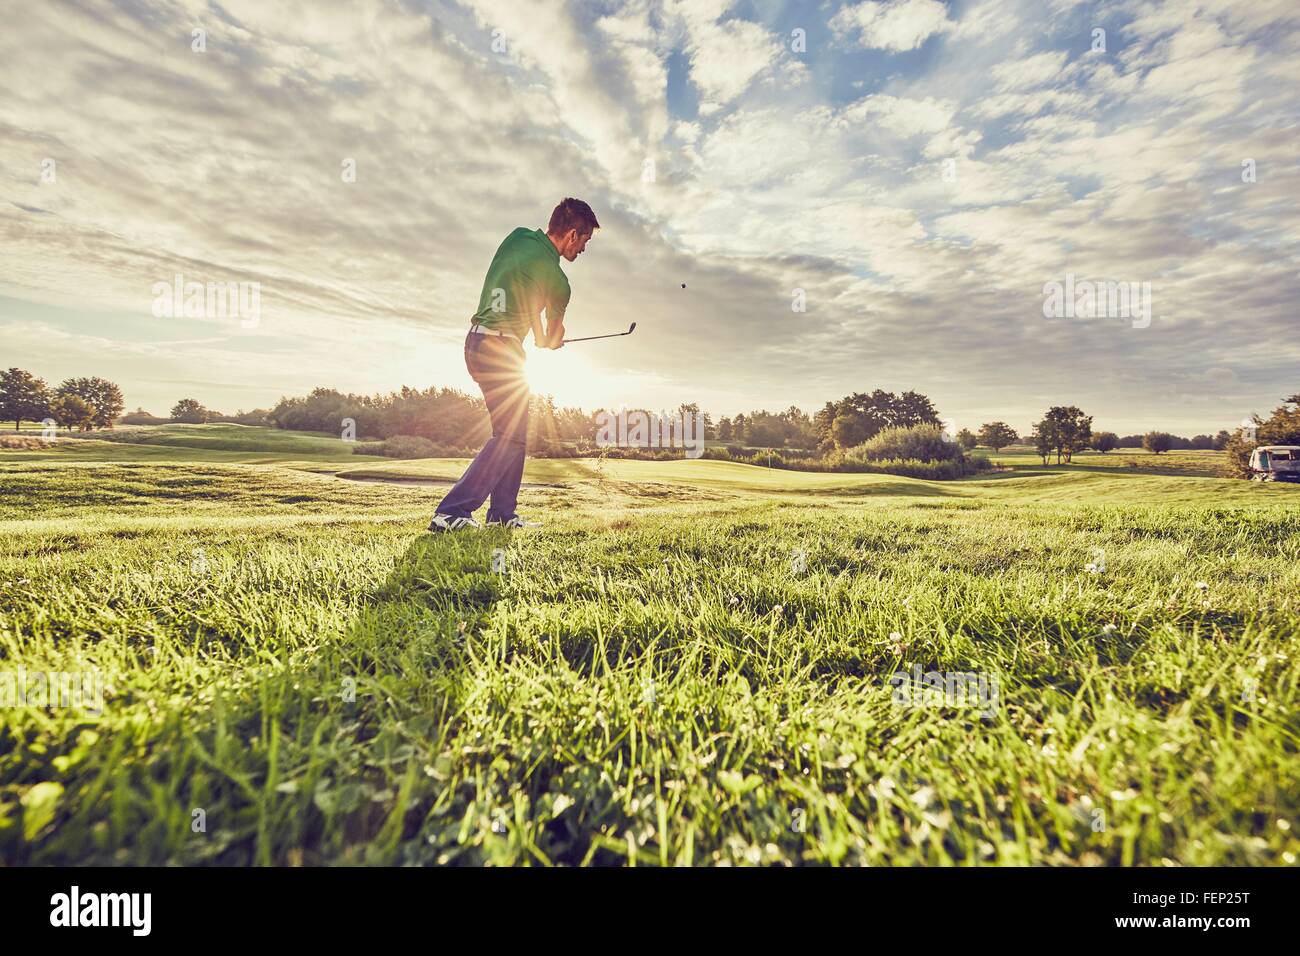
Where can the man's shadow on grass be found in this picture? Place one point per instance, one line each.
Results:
(453, 570)
(396, 689)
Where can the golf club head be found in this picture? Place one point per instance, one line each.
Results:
(631, 328)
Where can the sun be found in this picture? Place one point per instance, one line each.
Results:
(570, 377)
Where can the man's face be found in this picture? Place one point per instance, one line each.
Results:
(573, 244)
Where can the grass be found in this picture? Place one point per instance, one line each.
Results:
(689, 664)
(1206, 464)
(224, 442)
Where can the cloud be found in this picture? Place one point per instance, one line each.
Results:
(772, 175)
(1030, 71)
(725, 56)
(895, 25)
(905, 117)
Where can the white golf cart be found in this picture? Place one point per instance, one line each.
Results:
(1275, 463)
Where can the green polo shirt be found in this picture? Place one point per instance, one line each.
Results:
(523, 279)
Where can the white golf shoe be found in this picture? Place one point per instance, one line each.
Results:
(515, 522)
(443, 522)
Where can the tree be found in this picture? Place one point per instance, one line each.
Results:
(1044, 440)
(847, 430)
(966, 439)
(997, 435)
(800, 432)
(23, 396)
(791, 428)
(1105, 441)
(913, 408)
(738, 425)
(72, 411)
(1069, 429)
(823, 422)
(188, 410)
(765, 430)
(1280, 428)
(872, 414)
(1221, 439)
(1157, 441)
(1202, 442)
(100, 394)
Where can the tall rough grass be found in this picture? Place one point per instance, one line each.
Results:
(661, 675)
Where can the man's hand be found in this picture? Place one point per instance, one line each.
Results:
(555, 336)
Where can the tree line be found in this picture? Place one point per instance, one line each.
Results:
(451, 419)
(1065, 429)
(77, 403)
(448, 416)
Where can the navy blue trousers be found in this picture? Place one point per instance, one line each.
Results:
(497, 366)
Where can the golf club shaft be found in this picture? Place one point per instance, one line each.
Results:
(613, 335)
(588, 338)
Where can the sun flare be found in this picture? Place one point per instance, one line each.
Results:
(570, 377)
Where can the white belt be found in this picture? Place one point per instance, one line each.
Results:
(504, 335)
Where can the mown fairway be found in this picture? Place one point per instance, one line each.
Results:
(689, 663)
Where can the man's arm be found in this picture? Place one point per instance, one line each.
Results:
(557, 304)
(552, 338)
(554, 331)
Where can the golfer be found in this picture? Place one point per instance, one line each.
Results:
(523, 280)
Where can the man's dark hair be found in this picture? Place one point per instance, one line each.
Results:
(572, 214)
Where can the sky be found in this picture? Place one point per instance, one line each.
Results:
(797, 200)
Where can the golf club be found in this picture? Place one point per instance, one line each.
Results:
(614, 335)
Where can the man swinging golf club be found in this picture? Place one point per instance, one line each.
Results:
(523, 280)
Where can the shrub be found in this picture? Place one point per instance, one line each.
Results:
(959, 467)
(408, 446)
(257, 416)
(853, 461)
(23, 442)
(551, 448)
(141, 417)
(635, 453)
(919, 443)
